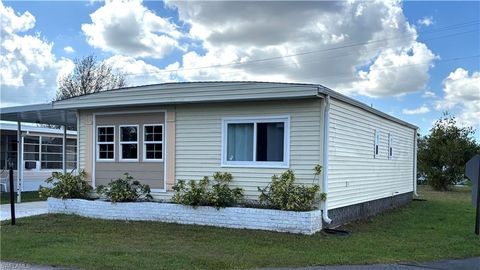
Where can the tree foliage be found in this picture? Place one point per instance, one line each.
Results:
(89, 76)
(443, 153)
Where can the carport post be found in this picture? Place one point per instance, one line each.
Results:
(64, 156)
(19, 161)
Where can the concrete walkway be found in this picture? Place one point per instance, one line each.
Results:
(25, 209)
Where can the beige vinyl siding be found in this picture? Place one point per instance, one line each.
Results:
(355, 176)
(85, 141)
(199, 131)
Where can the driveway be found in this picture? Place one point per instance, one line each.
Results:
(24, 209)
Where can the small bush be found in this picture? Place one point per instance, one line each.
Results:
(222, 195)
(125, 189)
(66, 186)
(283, 194)
(194, 193)
(200, 194)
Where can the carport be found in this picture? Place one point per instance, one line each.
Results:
(38, 114)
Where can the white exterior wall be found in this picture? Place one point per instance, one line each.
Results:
(355, 176)
(198, 140)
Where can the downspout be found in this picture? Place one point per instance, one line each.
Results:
(326, 125)
(415, 150)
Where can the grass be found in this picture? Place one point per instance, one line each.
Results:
(28, 196)
(441, 227)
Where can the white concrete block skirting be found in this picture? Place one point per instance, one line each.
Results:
(230, 217)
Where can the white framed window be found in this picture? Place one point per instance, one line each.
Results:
(128, 142)
(105, 143)
(376, 144)
(153, 135)
(31, 152)
(256, 142)
(390, 146)
(51, 152)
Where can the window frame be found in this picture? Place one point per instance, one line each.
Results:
(390, 146)
(97, 143)
(144, 143)
(120, 143)
(254, 120)
(376, 144)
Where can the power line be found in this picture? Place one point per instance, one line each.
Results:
(290, 55)
(254, 61)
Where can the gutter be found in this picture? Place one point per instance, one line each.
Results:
(326, 125)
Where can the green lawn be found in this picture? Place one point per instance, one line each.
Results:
(30, 196)
(441, 227)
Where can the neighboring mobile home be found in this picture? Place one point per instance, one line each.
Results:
(42, 150)
(165, 132)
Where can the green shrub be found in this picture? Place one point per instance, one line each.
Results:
(222, 195)
(283, 194)
(194, 193)
(66, 186)
(125, 189)
(200, 194)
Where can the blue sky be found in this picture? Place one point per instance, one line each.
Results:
(410, 59)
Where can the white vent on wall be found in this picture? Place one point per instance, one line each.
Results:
(376, 147)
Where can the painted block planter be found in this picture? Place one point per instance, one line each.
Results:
(231, 217)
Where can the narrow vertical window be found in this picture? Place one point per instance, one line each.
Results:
(129, 143)
(153, 142)
(390, 146)
(31, 152)
(376, 150)
(51, 152)
(106, 143)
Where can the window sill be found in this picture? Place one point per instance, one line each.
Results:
(152, 160)
(256, 165)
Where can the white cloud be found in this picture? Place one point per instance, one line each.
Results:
(137, 72)
(29, 68)
(420, 110)
(426, 21)
(396, 72)
(387, 61)
(429, 94)
(462, 91)
(128, 28)
(69, 49)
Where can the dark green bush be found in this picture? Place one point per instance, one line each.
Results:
(222, 195)
(66, 186)
(283, 194)
(125, 189)
(200, 194)
(194, 193)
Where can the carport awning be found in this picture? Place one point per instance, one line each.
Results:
(39, 114)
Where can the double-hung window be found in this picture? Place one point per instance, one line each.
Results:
(129, 143)
(153, 142)
(256, 142)
(106, 143)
